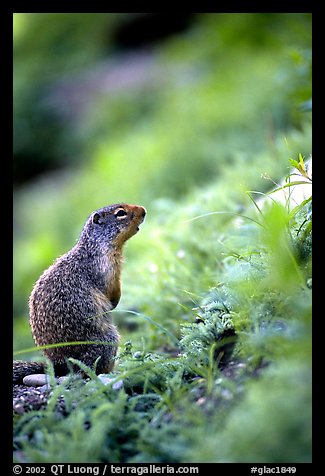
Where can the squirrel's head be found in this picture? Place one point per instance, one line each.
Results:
(111, 226)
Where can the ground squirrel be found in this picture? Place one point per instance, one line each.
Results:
(72, 298)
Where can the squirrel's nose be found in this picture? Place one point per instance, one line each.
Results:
(144, 211)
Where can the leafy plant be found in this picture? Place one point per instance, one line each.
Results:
(215, 317)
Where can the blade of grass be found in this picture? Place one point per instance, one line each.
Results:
(61, 344)
(224, 213)
(248, 193)
(149, 319)
(291, 184)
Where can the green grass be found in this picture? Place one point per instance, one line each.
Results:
(188, 148)
(176, 404)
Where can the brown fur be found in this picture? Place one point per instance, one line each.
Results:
(72, 300)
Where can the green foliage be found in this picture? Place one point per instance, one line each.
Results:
(261, 429)
(216, 305)
(204, 341)
(48, 47)
(207, 125)
(166, 409)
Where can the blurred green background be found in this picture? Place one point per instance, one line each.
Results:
(181, 113)
(156, 109)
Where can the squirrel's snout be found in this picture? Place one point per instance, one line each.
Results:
(138, 212)
(141, 213)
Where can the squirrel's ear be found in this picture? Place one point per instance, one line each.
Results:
(96, 218)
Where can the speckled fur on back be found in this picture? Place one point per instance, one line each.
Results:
(71, 300)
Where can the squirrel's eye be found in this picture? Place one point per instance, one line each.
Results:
(96, 218)
(120, 213)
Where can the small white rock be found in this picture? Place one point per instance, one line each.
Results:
(107, 380)
(36, 380)
(43, 388)
(118, 385)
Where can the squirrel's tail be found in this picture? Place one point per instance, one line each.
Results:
(21, 369)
